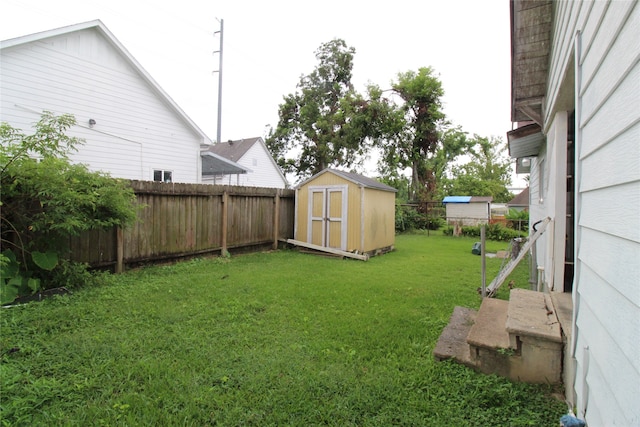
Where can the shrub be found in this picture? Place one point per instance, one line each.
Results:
(518, 220)
(435, 223)
(47, 199)
(498, 232)
(73, 275)
(410, 218)
(493, 232)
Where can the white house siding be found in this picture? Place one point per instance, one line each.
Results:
(263, 171)
(83, 74)
(537, 210)
(550, 173)
(600, 42)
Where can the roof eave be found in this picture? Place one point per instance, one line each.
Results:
(531, 24)
(233, 167)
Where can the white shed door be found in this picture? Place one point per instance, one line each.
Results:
(328, 217)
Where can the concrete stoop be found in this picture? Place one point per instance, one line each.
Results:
(520, 339)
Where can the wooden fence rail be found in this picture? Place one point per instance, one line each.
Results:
(177, 220)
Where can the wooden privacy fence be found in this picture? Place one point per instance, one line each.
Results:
(178, 220)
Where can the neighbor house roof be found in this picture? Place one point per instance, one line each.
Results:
(233, 150)
(522, 199)
(467, 199)
(355, 178)
(111, 39)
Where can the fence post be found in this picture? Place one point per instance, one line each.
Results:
(119, 250)
(225, 208)
(276, 219)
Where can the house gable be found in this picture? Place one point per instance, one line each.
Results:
(252, 154)
(83, 70)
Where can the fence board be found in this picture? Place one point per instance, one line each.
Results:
(177, 220)
(96, 247)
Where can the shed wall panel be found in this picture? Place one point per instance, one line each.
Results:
(379, 220)
(468, 213)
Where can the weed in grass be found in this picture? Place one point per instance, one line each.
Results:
(278, 338)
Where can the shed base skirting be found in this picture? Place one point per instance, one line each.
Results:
(363, 257)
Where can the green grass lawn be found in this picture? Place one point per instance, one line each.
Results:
(278, 338)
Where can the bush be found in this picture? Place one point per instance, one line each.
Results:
(409, 218)
(436, 223)
(517, 220)
(47, 199)
(493, 232)
(73, 275)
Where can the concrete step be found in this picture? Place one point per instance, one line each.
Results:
(488, 339)
(489, 330)
(519, 339)
(452, 343)
(532, 314)
(535, 333)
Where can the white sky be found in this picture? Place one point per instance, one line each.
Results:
(268, 45)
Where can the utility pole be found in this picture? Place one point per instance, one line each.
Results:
(221, 32)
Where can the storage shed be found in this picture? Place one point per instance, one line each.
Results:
(467, 210)
(345, 211)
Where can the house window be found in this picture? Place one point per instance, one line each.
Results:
(162, 175)
(255, 162)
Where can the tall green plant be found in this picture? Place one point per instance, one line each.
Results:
(45, 199)
(488, 172)
(518, 220)
(14, 281)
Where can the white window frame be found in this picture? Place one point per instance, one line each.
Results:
(163, 173)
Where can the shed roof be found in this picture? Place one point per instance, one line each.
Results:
(467, 199)
(457, 199)
(355, 178)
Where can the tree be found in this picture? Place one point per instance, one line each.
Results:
(488, 173)
(324, 123)
(45, 199)
(417, 136)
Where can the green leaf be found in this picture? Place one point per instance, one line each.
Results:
(9, 266)
(34, 284)
(45, 260)
(9, 291)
